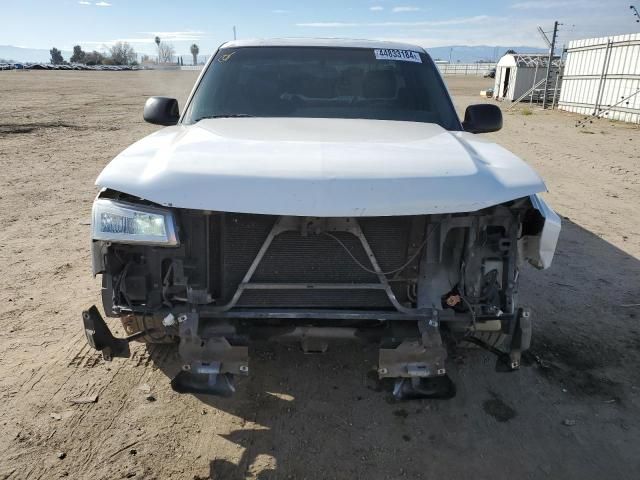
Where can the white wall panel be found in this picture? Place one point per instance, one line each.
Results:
(599, 75)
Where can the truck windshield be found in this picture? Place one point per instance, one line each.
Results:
(314, 82)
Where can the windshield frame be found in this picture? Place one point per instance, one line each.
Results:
(222, 48)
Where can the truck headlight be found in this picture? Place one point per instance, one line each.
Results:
(129, 223)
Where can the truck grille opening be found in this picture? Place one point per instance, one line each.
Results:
(235, 240)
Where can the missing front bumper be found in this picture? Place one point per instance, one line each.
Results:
(214, 352)
(100, 337)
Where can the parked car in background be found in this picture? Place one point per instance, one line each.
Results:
(491, 73)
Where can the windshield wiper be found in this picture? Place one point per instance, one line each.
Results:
(225, 115)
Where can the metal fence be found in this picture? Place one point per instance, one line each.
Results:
(602, 78)
(473, 69)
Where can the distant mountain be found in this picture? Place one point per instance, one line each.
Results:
(465, 54)
(30, 55)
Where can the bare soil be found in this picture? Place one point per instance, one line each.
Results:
(573, 412)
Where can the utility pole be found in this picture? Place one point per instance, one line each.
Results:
(549, 61)
(234, 32)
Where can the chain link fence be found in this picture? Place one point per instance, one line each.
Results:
(474, 69)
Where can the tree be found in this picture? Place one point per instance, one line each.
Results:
(122, 53)
(56, 56)
(93, 58)
(78, 55)
(195, 50)
(157, 40)
(165, 52)
(510, 52)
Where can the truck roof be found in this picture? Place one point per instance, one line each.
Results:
(321, 42)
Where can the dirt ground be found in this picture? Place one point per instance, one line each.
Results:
(572, 413)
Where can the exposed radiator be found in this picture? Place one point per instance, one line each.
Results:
(314, 258)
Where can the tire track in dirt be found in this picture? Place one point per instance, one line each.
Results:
(75, 354)
(89, 417)
(44, 370)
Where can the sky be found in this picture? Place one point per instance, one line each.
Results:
(96, 24)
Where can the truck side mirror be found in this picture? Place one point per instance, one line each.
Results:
(161, 111)
(482, 118)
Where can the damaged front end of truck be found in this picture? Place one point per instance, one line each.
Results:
(417, 285)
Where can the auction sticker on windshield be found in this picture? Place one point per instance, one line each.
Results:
(393, 54)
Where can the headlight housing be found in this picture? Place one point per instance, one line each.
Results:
(130, 223)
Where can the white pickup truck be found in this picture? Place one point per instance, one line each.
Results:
(315, 190)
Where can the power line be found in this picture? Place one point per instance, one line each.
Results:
(543, 34)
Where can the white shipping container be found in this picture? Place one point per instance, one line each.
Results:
(517, 74)
(602, 77)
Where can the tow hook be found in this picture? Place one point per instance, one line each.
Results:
(504, 362)
(100, 337)
(520, 342)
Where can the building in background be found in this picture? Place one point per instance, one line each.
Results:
(521, 73)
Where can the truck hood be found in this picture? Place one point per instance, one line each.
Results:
(319, 167)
